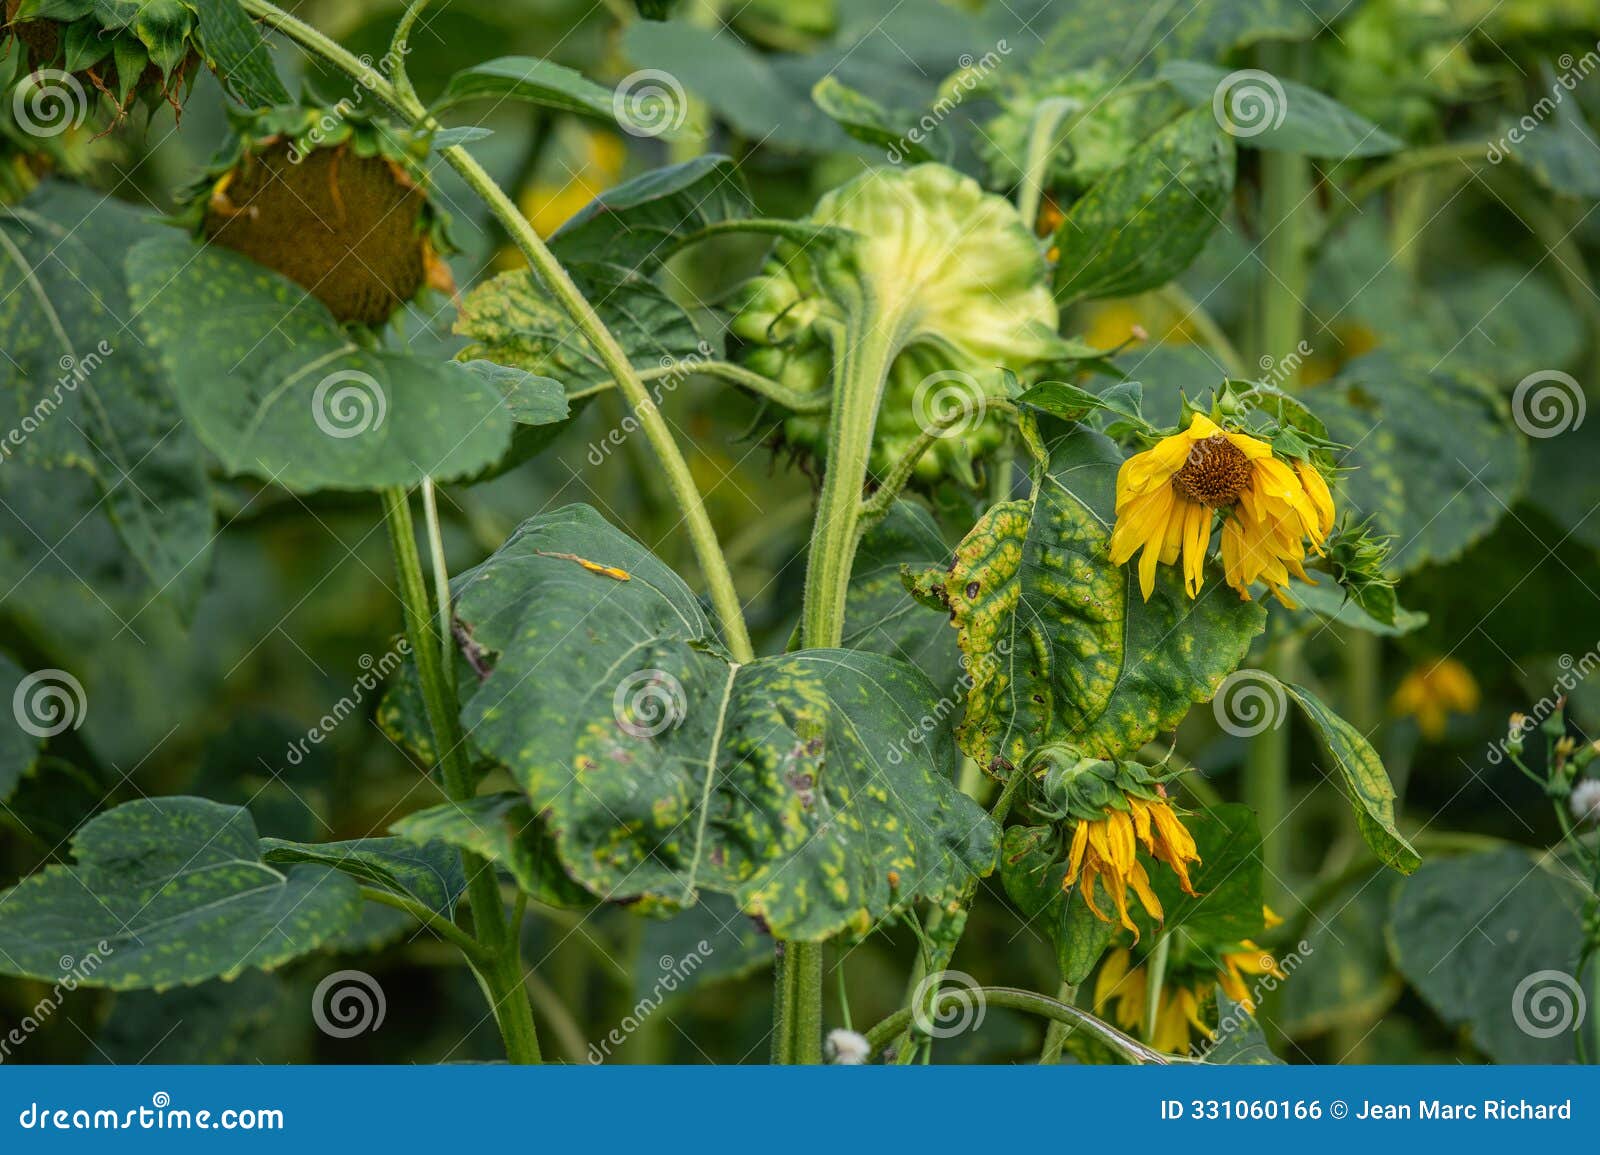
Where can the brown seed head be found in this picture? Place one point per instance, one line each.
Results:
(1216, 473)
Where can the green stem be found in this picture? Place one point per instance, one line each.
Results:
(800, 401)
(435, 922)
(862, 356)
(501, 970)
(1044, 134)
(1156, 979)
(555, 280)
(1216, 339)
(797, 1034)
(1055, 1035)
(1028, 1002)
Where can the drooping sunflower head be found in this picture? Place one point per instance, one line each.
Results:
(1184, 1007)
(332, 199)
(1117, 808)
(1170, 496)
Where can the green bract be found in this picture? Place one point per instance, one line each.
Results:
(1077, 786)
(941, 278)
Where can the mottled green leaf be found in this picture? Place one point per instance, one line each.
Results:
(1361, 778)
(881, 616)
(237, 52)
(429, 872)
(1435, 458)
(806, 785)
(530, 398)
(1031, 869)
(168, 892)
(1264, 111)
(869, 122)
(1491, 941)
(503, 829)
(1240, 1039)
(1060, 645)
(510, 320)
(1142, 225)
(1081, 937)
(79, 390)
(636, 226)
(277, 389)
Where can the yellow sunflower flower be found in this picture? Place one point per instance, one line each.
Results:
(1433, 691)
(1168, 496)
(1105, 851)
(1123, 988)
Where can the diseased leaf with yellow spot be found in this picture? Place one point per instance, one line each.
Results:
(169, 892)
(796, 784)
(1060, 645)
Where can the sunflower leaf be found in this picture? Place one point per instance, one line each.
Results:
(1361, 778)
(805, 785)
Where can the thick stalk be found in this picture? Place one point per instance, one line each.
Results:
(862, 356)
(501, 972)
(1055, 1035)
(1266, 779)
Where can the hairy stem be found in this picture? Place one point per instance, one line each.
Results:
(1028, 1002)
(499, 968)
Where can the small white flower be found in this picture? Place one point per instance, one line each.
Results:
(1586, 800)
(847, 1048)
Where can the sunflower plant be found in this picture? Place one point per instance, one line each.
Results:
(958, 537)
